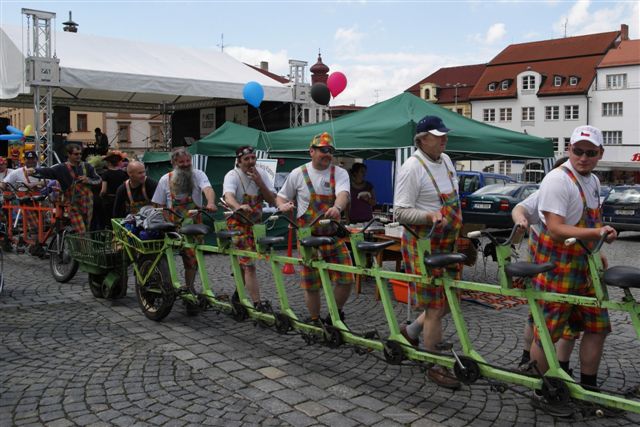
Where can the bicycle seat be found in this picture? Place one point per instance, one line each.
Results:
(162, 227)
(316, 241)
(194, 230)
(527, 269)
(373, 246)
(228, 234)
(443, 260)
(622, 277)
(269, 241)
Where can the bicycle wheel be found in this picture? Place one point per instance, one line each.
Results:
(63, 267)
(156, 295)
(95, 284)
(1, 271)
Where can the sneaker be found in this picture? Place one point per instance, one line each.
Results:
(564, 411)
(327, 320)
(443, 377)
(413, 341)
(313, 322)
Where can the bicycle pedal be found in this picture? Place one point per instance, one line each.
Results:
(444, 346)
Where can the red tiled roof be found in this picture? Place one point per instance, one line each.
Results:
(571, 56)
(347, 107)
(627, 53)
(465, 74)
(275, 77)
(591, 44)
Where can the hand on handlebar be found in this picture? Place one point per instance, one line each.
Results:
(437, 218)
(211, 207)
(286, 207)
(332, 213)
(610, 232)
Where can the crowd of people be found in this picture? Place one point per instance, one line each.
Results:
(567, 205)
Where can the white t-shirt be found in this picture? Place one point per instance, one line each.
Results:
(530, 205)
(558, 194)
(18, 178)
(238, 183)
(162, 194)
(414, 187)
(5, 174)
(295, 187)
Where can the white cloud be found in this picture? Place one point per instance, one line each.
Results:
(582, 20)
(494, 34)
(278, 61)
(347, 40)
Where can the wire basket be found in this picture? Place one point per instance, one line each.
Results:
(129, 239)
(96, 248)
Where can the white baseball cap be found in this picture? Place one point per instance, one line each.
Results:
(587, 133)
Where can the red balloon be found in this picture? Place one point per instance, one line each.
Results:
(336, 83)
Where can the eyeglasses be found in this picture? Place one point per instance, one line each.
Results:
(590, 153)
(325, 150)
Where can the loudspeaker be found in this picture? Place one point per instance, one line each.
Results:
(61, 119)
(4, 145)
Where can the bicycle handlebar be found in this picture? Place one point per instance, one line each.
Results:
(603, 237)
(489, 234)
(276, 217)
(412, 231)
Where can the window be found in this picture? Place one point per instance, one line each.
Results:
(555, 142)
(612, 136)
(505, 167)
(489, 114)
(528, 114)
(616, 81)
(505, 114)
(81, 123)
(551, 112)
(504, 85)
(491, 87)
(528, 83)
(489, 168)
(573, 81)
(124, 132)
(610, 109)
(557, 80)
(306, 115)
(567, 142)
(155, 134)
(571, 112)
(460, 111)
(427, 94)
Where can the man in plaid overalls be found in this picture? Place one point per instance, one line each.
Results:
(181, 190)
(426, 193)
(320, 188)
(569, 206)
(76, 179)
(244, 189)
(135, 192)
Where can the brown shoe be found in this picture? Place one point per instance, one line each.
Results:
(413, 341)
(443, 377)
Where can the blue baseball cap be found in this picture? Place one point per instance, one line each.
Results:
(432, 124)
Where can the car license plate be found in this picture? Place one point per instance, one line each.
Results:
(624, 211)
(482, 205)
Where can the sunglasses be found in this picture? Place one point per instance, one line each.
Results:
(245, 151)
(325, 150)
(590, 153)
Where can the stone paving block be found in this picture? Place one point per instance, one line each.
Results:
(267, 385)
(272, 372)
(290, 397)
(343, 391)
(297, 419)
(312, 409)
(61, 422)
(229, 366)
(335, 419)
(369, 403)
(274, 406)
(313, 392)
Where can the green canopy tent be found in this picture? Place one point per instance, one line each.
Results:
(377, 131)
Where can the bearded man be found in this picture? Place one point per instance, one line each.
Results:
(181, 190)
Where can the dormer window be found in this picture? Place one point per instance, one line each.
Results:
(504, 85)
(557, 80)
(573, 81)
(492, 87)
(528, 82)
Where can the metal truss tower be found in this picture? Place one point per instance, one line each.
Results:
(299, 88)
(43, 75)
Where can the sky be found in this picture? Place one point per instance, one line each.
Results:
(383, 47)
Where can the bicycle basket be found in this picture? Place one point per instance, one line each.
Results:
(129, 239)
(97, 248)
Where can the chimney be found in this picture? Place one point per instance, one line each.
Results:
(624, 32)
(264, 65)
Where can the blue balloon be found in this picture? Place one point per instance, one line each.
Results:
(10, 137)
(15, 131)
(253, 93)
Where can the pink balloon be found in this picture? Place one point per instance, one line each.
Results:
(336, 83)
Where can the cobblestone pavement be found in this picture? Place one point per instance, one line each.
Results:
(69, 359)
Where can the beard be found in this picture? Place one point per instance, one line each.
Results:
(182, 181)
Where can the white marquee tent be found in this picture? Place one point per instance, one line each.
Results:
(110, 74)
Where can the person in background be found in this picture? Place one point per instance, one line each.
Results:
(135, 192)
(112, 178)
(363, 197)
(102, 143)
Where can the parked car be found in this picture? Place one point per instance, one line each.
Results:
(471, 181)
(604, 192)
(492, 205)
(621, 208)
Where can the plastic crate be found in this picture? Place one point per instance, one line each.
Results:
(96, 248)
(401, 290)
(129, 239)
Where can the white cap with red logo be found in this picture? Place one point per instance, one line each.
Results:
(587, 133)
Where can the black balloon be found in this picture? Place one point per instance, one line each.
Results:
(320, 93)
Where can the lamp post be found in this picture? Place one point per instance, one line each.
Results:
(455, 96)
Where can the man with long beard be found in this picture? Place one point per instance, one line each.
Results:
(181, 190)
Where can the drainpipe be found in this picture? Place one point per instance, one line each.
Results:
(588, 101)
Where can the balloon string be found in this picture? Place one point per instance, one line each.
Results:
(333, 130)
(268, 141)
